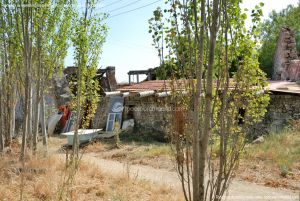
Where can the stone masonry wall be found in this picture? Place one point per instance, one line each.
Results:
(285, 52)
(99, 120)
(283, 107)
(149, 113)
(294, 70)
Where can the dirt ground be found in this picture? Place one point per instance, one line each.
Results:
(153, 162)
(159, 156)
(48, 178)
(238, 190)
(260, 172)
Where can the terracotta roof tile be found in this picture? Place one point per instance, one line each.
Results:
(167, 85)
(155, 85)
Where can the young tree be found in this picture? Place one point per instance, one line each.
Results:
(88, 38)
(34, 43)
(51, 44)
(9, 66)
(219, 110)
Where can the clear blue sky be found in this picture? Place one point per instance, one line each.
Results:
(128, 44)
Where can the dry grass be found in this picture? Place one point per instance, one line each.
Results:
(281, 150)
(153, 151)
(157, 155)
(44, 176)
(275, 162)
(95, 147)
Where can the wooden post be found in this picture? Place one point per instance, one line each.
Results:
(129, 79)
(137, 78)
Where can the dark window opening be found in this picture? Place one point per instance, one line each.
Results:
(241, 116)
(130, 114)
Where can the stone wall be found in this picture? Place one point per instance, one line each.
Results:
(61, 89)
(111, 78)
(283, 107)
(294, 70)
(155, 115)
(99, 120)
(149, 113)
(285, 52)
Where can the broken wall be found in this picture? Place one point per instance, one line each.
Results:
(282, 109)
(100, 118)
(149, 113)
(286, 52)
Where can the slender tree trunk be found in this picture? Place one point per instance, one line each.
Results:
(43, 122)
(197, 99)
(1, 107)
(1, 141)
(7, 140)
(13, 111)
(25, 123)
(223, 140)
(29, 122)
(4, 92)
(208, 99)
(79, 91)
(76, 139)
(27, 66)
(37, 90)
(1, 124)
(36, 108)
(36, 115)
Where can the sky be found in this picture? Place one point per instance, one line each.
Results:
(128, 44)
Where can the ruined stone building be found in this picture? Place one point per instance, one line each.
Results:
(286, 61)
(148, 102)
(284, 87)
(58, 97)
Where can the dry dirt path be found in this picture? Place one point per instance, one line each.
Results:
(238, 191)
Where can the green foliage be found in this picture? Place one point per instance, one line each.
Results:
(217, 85)
(88, 38)
(48, 36)
(270, 30)
(34, 43)
(167, 70)
(248, 81)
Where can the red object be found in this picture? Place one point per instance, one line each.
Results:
(64, 109)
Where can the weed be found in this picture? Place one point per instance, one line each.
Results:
(281, 149)
(94, 147)
(90, 184)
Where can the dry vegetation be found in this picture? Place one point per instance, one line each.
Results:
(44, 177)
(157, 155)
(275, 162)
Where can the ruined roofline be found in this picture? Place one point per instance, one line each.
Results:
(151, 74)
(106, 77)
(164, 88)
(135, 72)
(72, 69)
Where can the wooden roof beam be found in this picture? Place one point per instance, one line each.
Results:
(112, 93)
(146, 93)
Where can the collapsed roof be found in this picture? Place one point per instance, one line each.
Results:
(163, 88)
